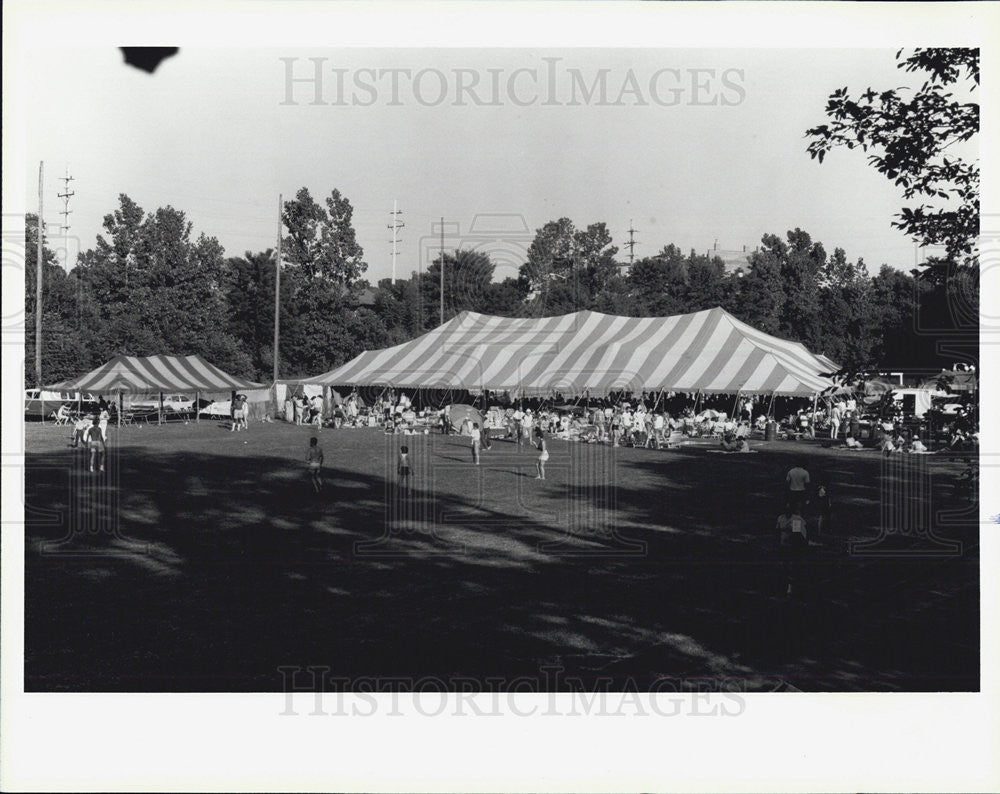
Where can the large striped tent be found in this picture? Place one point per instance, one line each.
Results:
(153, 374)
(587, 353)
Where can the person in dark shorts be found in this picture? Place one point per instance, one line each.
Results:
(96, 444)
(797, 481)
(822, 508)
(403, 468)
(314, 457)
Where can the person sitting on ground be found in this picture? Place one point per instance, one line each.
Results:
(916, 445)
(803, 424)
(958, 440)
(965, 485)
(851, 442)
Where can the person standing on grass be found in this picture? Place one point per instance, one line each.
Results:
(799, 545)
(96, 444)
(836, 414)
(543, 453)
(314, 457)
(526, 424)
(403, 468)
(797, 480)
(822, 508)
(236, 411)
(477, 440)
(783, 527)
(80, 428)
(103, 418)
(244, 412)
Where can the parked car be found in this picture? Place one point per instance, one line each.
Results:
(174, 403)
(217, 409)
(41, 403)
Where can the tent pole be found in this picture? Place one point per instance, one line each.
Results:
(120, 404)
(159, 414)
(197, 407)
(812, 418)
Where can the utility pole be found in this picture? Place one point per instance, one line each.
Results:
(277, 292)
(66, 195)
(395, 226)
(442, 270)
(38, 282)
(631, 244)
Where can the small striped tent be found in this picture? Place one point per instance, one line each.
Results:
(152, 374)
(588, 353)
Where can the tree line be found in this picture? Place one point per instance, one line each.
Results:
(151, 285)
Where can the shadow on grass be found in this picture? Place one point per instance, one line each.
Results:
(188, 571)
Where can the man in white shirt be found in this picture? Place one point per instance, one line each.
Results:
(797, 480)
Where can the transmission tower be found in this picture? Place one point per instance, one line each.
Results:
(394, 227)
(64, 227)
(631, 244)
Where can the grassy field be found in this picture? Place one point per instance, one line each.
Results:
(203, 561)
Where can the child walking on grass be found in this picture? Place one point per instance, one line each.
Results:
(314, 457)
(477, 436)
(543, 453)
(403, 468)
(97, 444)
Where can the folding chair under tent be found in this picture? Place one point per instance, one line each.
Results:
(156, 375)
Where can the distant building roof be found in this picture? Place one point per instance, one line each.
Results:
(732, 260)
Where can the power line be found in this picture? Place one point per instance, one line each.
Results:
(394, 227)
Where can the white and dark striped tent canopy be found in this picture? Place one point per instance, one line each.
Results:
(587, 353)
(152, 374)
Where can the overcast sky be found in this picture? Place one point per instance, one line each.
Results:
(691, 146)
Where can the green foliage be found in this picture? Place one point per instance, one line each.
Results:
(566, 268)
(321, 240)
(149, 285)
(907, 133)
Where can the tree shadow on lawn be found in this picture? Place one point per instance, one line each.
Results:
(212, 571)
(881, 616)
